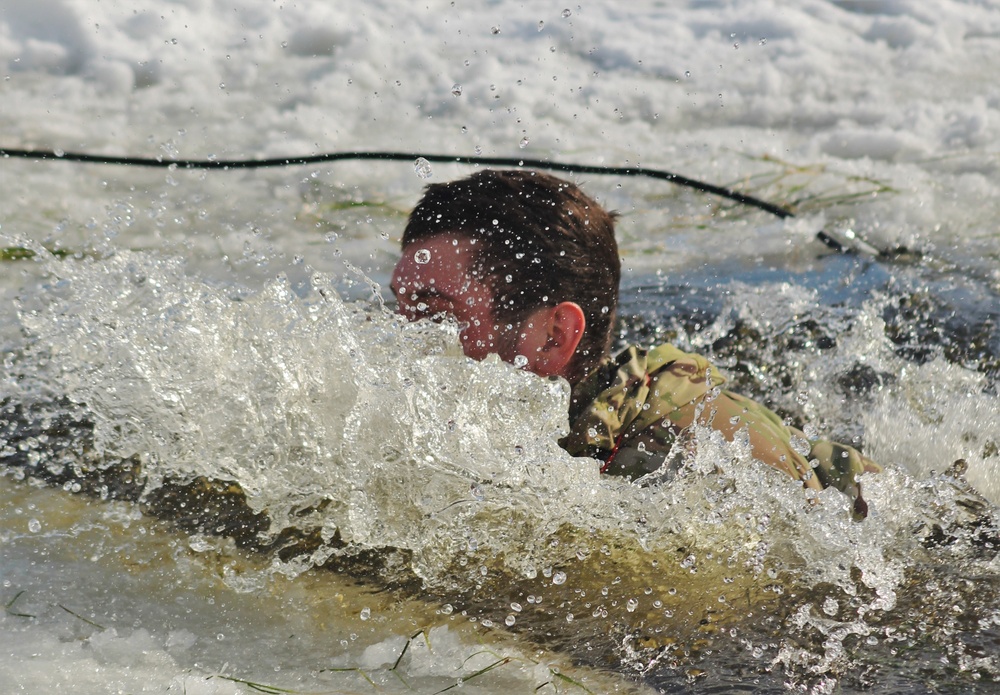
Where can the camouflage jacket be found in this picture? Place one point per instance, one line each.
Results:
(631, 410)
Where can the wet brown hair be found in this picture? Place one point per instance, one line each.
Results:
(541, 241)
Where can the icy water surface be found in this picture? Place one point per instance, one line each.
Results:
(424, 532)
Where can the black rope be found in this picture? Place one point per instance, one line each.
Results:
(227, 164)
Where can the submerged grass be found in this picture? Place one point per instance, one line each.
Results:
(259, 687)
(9, 609)
(10, 604)
(80, 617)
(330, 209)
(792, 183)
(799, 188)
(20, 253)
(500, 660)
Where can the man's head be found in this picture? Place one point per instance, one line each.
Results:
(526, 260)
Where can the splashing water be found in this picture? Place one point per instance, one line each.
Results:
(342, 418)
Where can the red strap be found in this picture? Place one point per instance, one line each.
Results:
(614, 452)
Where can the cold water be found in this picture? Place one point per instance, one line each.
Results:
(235, 325)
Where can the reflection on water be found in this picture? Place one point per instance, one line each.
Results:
(374, 448)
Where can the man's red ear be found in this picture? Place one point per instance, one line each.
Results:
(550, 337)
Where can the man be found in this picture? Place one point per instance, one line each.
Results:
(528, 265)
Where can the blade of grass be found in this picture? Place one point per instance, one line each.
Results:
(16, 253)
(259, 687)
(80, 617)
(10, 604)
(486, 669)
(569, 680)
(407, 646)
(354, 669)
(275, 690)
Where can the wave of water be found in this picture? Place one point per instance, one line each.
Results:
(340, 417)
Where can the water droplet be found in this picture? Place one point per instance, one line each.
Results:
(567, 12)
(423, 168)
(569, 617)
(447, 609)
(687, 73)
(520, 361)
(222, 85)
(34, 525)
(423, 256)
(604, 310)
(510, 620)
(495, 30)
(456, 90)
(516, 607)
(366, 613)
(632, 605)
(523, 143)
(830, 606)
(801, 446)
(478, 150)
(199, 544)
(559, 578)
(541, 25)
(487, 623)
(810, 431)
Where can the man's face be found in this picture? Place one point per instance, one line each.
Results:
(435, 279)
